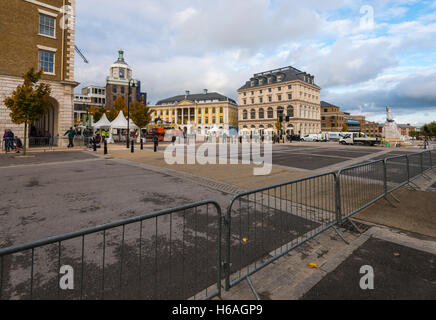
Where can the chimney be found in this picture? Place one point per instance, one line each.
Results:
(205, 91)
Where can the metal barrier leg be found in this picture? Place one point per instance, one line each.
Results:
(395, 198)
(354, 225)
(253, 289)
(390, 202)
(340, 234)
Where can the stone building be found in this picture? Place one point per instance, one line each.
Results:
(39, 34)
(287, 94)
(198, 112)
(89, 96)
(117, 83)
(332, 118)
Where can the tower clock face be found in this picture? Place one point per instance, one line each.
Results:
(122, 73)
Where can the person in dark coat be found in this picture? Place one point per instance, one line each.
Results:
(156, 142)
(71, 134)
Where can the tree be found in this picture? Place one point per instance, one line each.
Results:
(97, 112)
(120, 105)
(344, 128)
(278, 125)
(29, 102)
(140, 114)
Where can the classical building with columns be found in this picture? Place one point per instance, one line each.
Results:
(287, 94)
(198, 112)
(39, 34)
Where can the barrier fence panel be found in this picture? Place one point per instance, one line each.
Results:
(264, 224)
(396, 172)
(360, 186)
(170, 254)
(415, 165)
(433, 158)
(426, 161)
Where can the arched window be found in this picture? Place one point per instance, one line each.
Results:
(270, 113)
(280, 111)
(290, 111)
(253, 114)
(261, 113)
(245, 114)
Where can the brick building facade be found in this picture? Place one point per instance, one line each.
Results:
(39, 34)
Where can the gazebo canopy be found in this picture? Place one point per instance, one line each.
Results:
(102, 123)
(121, 122)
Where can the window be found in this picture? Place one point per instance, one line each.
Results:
(269, 99)
(289, 87)
(260, 100)
(290, 111)
(253, 114)
(114, 89)
(213, 120)
(207, 120)
(213, 110)
(252, 101)
(280, 88)
(270, 113)
(252, 93)
(261, 113)
(245, 101)
(261, 91)
(290, 96)
(279, 97)
(122, 73)
(221, 110)
(221, 120)
(114, 98)
(122, 90)
(199, 111)
(46, 61)
(46, 25)
(269, 90)
(245, 115)
(245, 94)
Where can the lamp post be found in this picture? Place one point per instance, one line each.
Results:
(131, 85)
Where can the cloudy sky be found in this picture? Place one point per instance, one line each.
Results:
(364, 54)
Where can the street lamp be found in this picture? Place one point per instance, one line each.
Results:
(131, 85)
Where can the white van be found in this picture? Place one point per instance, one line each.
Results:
(311, 138)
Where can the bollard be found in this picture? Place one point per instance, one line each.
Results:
(132, 147)
(142, 144)
(95, 147)
(105, 146)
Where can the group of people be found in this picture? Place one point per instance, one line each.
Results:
(11, 142)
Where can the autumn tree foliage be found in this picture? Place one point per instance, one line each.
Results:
(29, 102)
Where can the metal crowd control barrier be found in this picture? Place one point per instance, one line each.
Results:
(170, 254)
(264, 224)
(360, 186)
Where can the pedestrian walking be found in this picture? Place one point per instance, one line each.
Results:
(11, 138)
(71, 134)
(6, 141)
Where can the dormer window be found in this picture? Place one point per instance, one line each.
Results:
(279, 77)
(122, 73)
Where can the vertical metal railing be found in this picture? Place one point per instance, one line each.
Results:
(264, 224)
(148, 257)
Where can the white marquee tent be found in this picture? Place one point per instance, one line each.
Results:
(121, 123)
(102, 123)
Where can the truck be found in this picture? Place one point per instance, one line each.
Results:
(358, 138)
